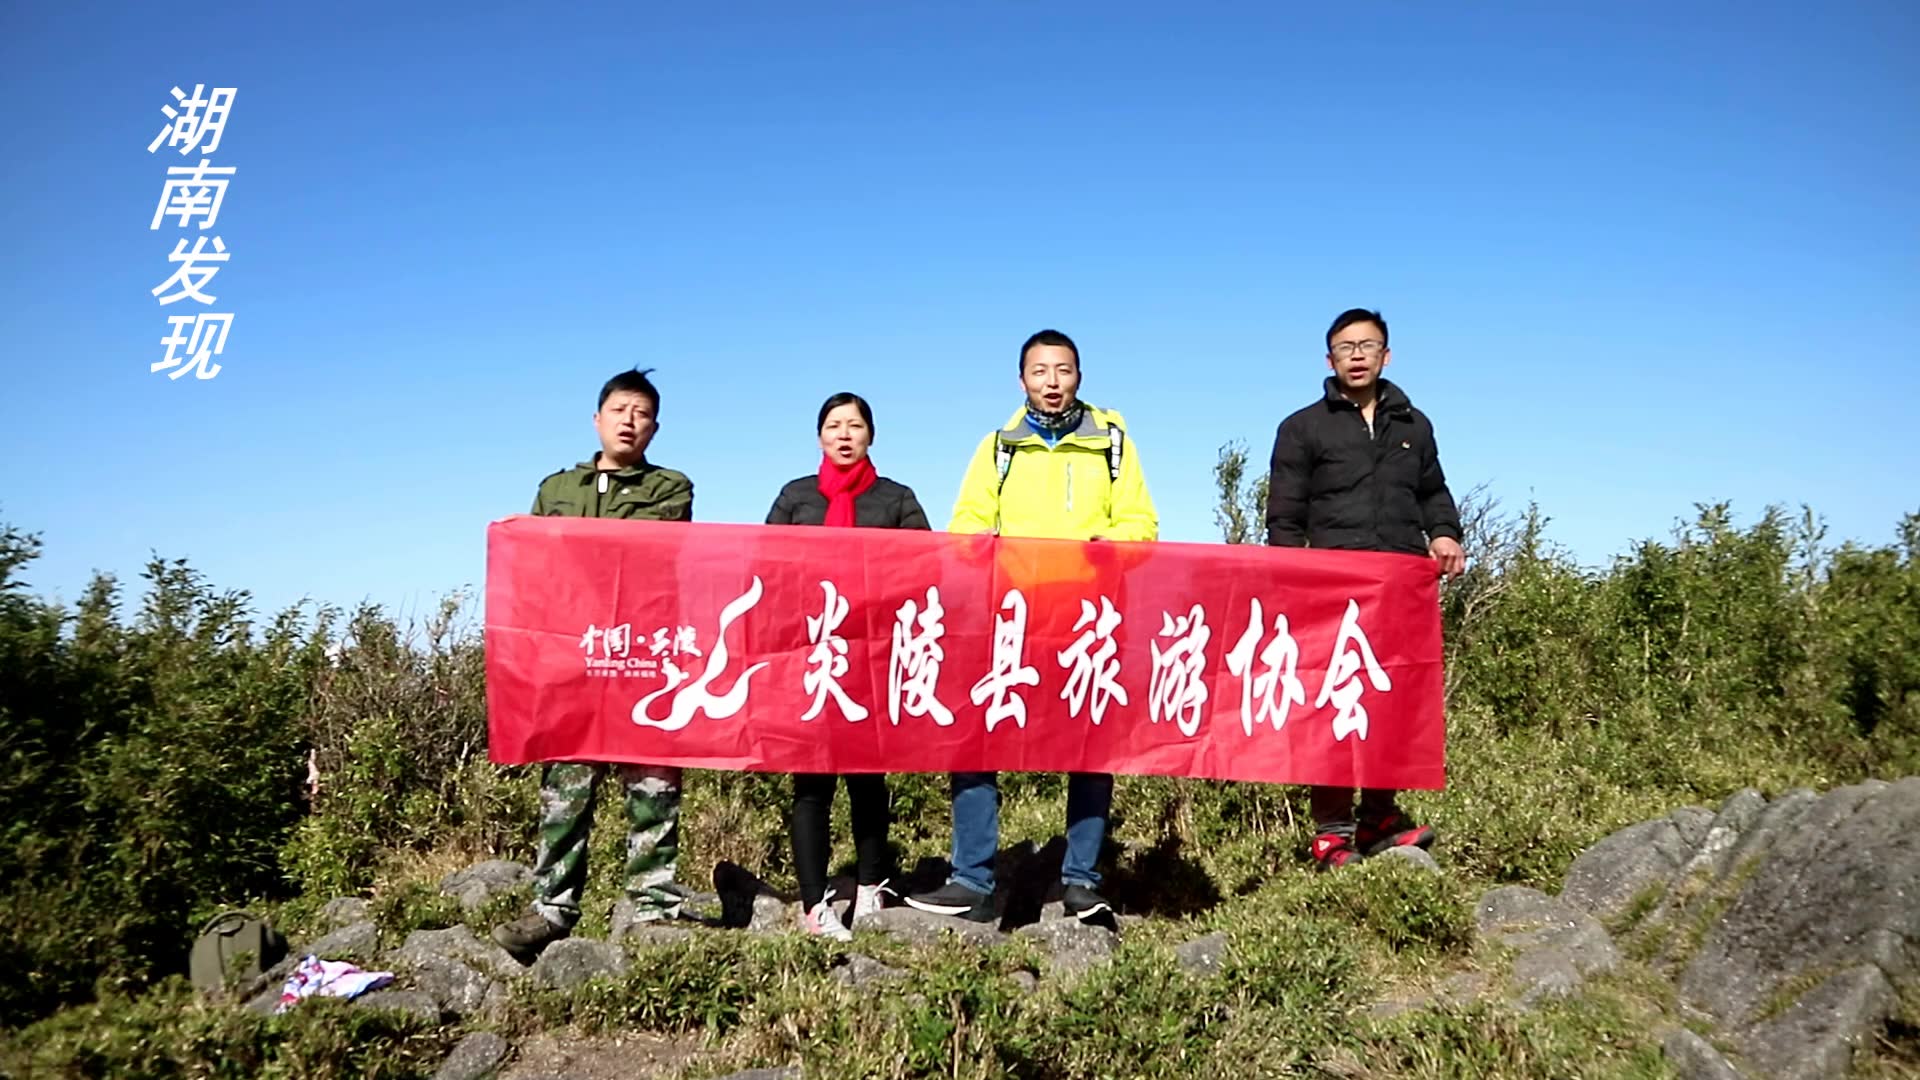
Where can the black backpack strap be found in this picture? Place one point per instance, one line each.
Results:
(1116, 445)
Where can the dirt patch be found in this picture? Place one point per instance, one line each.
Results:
(634, 1056)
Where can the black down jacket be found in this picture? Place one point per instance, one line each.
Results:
(885, 505)
(1336, 485)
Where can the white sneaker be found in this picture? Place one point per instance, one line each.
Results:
(822, 921)
(871, 900)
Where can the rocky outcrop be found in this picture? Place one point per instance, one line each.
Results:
(1792, 926)
(475, 886)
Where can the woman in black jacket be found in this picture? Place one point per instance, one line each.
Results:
(845, 492)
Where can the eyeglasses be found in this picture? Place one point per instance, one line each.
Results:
(1369, 348)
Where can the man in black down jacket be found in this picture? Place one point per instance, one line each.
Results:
(1358, 470)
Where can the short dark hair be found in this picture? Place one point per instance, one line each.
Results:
(631, 382)
(845, 398)
(1353, 315)
(1049, 337)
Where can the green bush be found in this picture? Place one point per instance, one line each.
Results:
(149, 772)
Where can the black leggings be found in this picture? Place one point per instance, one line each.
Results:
(813, 808)
(1333, 806)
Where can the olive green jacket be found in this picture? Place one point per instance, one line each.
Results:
(644, 492)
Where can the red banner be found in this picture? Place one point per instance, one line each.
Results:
(795, 649)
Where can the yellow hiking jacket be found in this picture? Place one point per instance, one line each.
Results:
(1066, 491)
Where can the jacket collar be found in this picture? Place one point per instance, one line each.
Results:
(1388, 397)
(1093, 428)
(590, 468)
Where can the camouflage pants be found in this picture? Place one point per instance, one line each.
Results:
(653, 837)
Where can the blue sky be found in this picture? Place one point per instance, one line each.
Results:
(1635, 256)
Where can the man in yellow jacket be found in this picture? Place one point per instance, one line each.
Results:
(1059, 469)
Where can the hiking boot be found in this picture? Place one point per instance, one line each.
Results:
(1331, 849)
(1394, 830)
(821, 920)
(1083, 903)
(957, 900)
(870, 900)
(526, 936)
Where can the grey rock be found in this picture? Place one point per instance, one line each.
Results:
(457, 943)
(1693, 823)
(264, 1002)
(652, 931)
(925, 928)
(1073, 947)
(1514, 907)
(1694, 1058)
(498, 1004)
(343, 911)
(1607, 877)
(1712, 857)
(455, 968)
(1525, 924)
(1560, 953)
(408, 1001)
(620, 921)
(1737, 815)
(1585, 955)
(772, 913)
(1544, 975)
(1419, 857)
(1778, 818)
(1581, 938)
(1024, 981)
(1837, 888)
(861, 970)
(459, 989)
(1816, 1037)
(481, 882)
(788, 1072)
(1203, 955)
(476, 1057)
(569, 962)
(645, 933)
(361, 940)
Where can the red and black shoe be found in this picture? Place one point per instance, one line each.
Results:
(1394, 830)
(1331, 849)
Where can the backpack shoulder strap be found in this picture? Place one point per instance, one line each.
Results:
(1002, 459)
(1116, 445)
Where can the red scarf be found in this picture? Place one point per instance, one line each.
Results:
(842, 484)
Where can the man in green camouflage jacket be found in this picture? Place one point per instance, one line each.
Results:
(618, 483)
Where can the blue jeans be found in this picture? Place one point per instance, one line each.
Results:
(976, 827)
